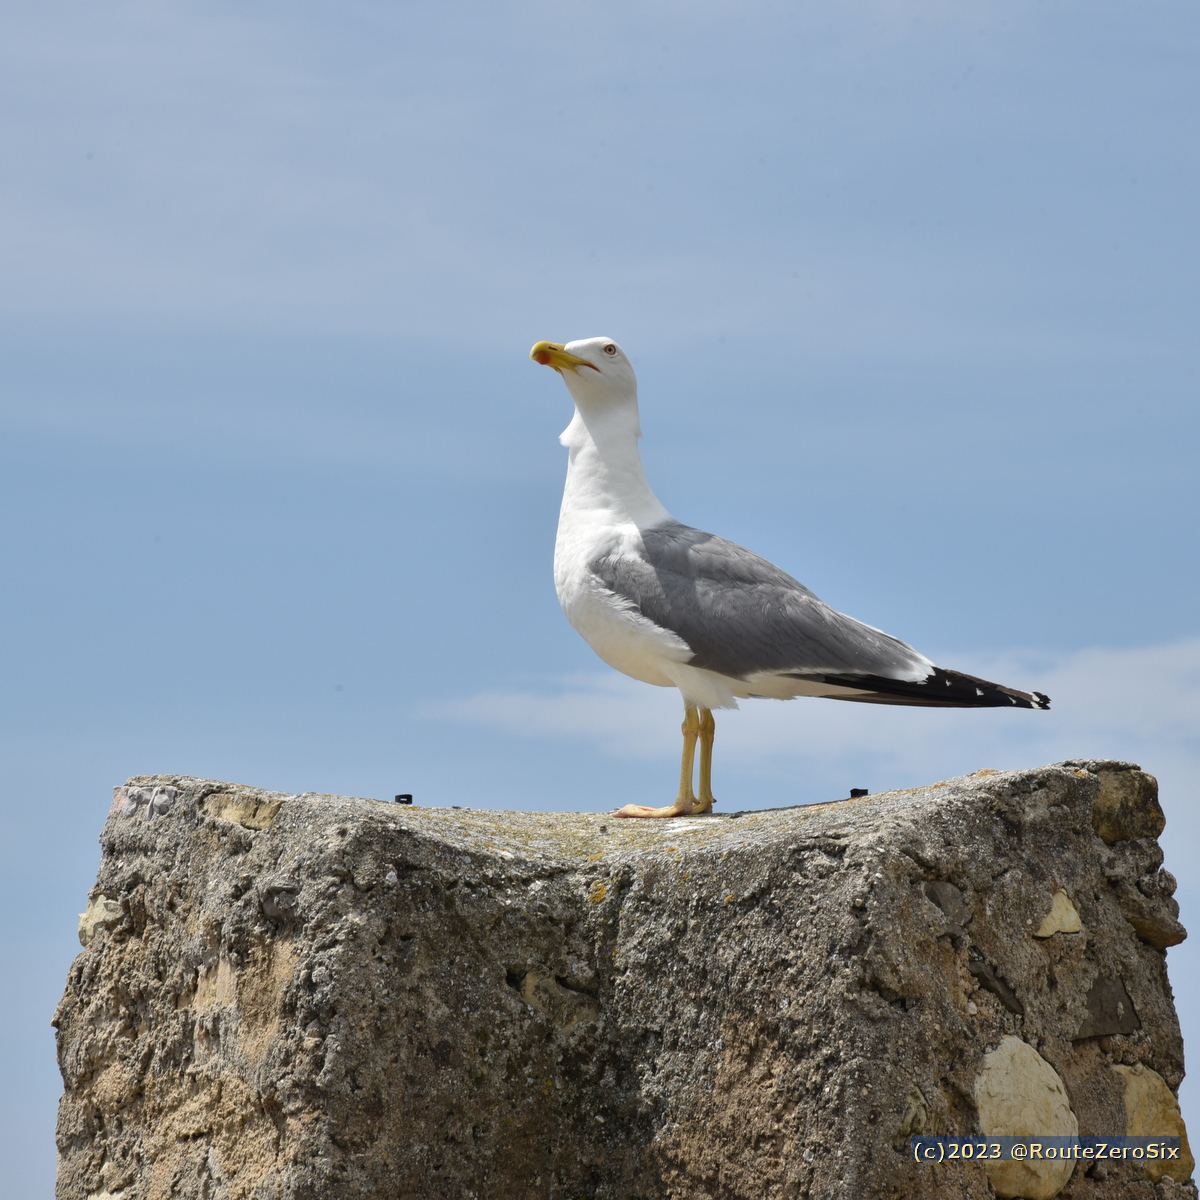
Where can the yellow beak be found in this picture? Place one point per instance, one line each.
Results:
(552, 354)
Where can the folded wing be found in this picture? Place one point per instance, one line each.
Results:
(743, 618)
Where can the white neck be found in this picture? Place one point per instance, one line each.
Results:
(604, 473)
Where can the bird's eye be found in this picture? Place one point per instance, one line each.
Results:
(610, 349)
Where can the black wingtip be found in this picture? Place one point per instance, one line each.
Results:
(940, 689)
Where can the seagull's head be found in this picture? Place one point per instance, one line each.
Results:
(595, 370)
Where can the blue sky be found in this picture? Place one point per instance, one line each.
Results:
(911, 292)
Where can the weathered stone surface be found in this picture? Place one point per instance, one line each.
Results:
(1109, 1010)
(1151, 1110)
(100, 913)
(1017, 1093)
(314, 996)
(1127, 803)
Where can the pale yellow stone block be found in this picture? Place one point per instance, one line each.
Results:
(101, 913)
(1151, 1110)
(1062, 917)
(1018, 1094)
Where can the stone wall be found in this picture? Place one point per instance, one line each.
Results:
(302, 997)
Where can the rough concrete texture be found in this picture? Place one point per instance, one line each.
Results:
(293, 997)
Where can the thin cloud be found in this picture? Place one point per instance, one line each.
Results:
(1141, 704)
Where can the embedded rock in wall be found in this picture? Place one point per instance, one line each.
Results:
(1018, 1092)
(291, 997)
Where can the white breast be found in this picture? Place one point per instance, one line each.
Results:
(606, 501)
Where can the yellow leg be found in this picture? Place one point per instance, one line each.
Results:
(708, 729)
(691, 731)
(685, 802)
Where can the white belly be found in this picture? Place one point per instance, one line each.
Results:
(613, 628)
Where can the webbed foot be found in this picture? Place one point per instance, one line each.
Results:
(683, 807)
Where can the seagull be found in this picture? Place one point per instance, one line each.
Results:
(677, 607)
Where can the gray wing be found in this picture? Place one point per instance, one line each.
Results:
(742, 615)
